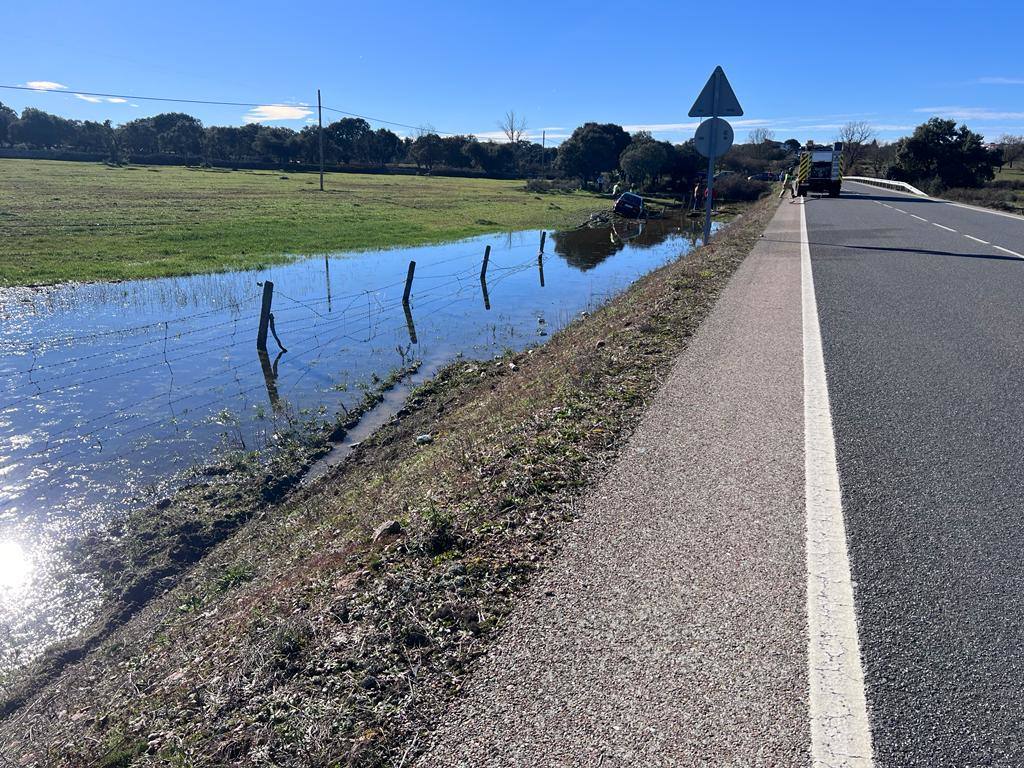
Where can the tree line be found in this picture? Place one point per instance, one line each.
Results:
(939, 154)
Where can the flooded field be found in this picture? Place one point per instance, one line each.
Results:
(112, 394)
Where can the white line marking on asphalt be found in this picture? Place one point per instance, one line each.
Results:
(984, 210)
(1007, 250)
(898, 209)
(919, 218)
(943, 226)
(840, 732)
(977, 239)
(885, 204)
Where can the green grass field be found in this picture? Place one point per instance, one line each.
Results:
(62, 221)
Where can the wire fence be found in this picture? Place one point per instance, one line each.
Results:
(317, 328)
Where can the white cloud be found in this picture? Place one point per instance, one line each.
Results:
(1000, 81)
(45, 85)
(90, 99)
(117, 100)
(273, 112)
(971, 113)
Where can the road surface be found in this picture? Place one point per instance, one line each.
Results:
(924, 348)
(719, 601)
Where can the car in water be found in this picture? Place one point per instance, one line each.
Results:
(630, 205)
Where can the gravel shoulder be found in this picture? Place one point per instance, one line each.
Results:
(670, 629)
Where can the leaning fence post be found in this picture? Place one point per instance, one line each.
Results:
(543, 237)
(268, 300)
(408, 282)
(487, 258)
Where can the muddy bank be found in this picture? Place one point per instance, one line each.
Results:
(333, 628)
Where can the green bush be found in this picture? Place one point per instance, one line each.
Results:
(735, 188)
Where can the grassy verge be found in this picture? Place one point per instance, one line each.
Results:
(334, 628)
(63, 221)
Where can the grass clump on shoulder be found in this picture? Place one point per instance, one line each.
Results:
(356, 607)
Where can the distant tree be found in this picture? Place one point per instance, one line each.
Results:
(593, 149)
(643, 161)
(939, 155)
(426, 151)
(36, 129)
(683, 165)
(345, 137)
(513, 127)
(878, 158)
(278, 145)
(7, 116)
(854, 136)
(760, 136)
(1012, 146)
(138, 137)
(381, 146)
(184, 138)
(791, 145)
(490, 157)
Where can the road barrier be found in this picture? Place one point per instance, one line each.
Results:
(900, 186)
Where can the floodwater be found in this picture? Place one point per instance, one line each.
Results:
(113, 393)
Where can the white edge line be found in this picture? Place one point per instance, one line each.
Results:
(978, 208)
(899, 209)
(977, 240)
(919, 218)
(887, 205)
(1007, 250)
(943, 226)
(840, 731)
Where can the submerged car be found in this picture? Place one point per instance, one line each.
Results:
(630, 205)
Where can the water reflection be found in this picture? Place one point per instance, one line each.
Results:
(110, 394)
(15, 567)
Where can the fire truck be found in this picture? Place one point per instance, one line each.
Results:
(820, 170)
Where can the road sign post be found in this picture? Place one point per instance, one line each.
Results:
(715, 99)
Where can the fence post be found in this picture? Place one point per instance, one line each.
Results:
(408, 282)
(268, 300)
(409, 324)
(540, 268)
(543, 237)
(487, 258)
(487, 299)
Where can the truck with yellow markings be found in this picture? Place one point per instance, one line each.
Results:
(820, 169)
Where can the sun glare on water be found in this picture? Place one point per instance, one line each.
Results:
(15, 565)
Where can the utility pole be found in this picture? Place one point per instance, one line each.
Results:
(320, 125)
(543, 154)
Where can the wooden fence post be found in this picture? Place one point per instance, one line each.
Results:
(268, 300)
(487, 258)
(408, 282)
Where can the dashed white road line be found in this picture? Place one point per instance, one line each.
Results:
(1007, 250)
(977, 240)
(887, 205)
(943, 226)
(898, 209)
(840, 731)
(919, 218)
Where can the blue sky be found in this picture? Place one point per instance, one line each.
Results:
(800, 70)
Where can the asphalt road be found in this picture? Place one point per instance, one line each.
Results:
(923, 340)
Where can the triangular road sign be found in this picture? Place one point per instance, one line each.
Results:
(728, 104)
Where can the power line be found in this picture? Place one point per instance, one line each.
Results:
(214, 102)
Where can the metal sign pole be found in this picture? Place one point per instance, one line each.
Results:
(710, 187)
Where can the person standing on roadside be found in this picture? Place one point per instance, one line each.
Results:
(786, 182)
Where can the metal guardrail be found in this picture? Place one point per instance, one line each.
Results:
(900, 186)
